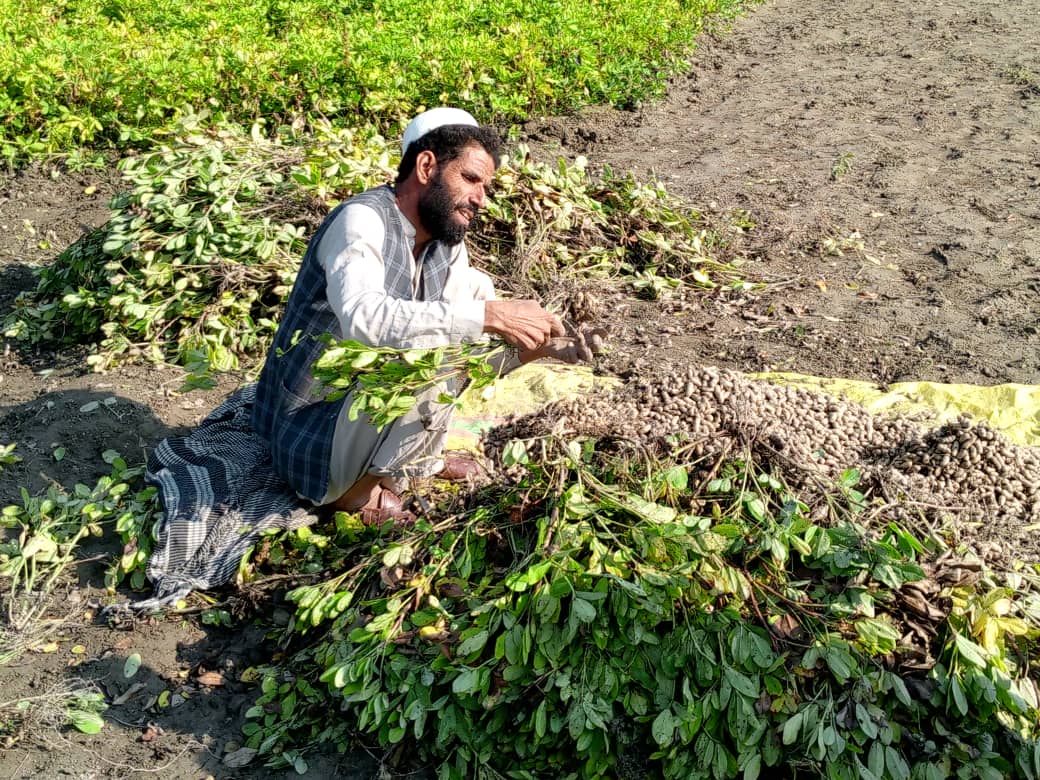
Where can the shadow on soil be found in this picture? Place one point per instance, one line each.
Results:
(14, 279)
(60, 438)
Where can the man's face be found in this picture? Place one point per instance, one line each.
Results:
(455, 194)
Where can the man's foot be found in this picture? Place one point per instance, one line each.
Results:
(458, 468)
(386, 508)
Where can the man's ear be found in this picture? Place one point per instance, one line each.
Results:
(425, 166)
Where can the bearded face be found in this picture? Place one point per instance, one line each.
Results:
(445, 215)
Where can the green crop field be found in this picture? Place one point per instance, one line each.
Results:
(116, 72)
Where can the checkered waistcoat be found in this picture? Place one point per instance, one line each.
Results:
(289, 411)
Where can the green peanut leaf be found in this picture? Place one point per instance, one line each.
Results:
(663, 728)
(584, 611)
(86, 721)
(472, 644)
(791, 728)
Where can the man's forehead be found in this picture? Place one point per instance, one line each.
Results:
(474, 156)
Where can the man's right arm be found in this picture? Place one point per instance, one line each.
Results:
(351, 254)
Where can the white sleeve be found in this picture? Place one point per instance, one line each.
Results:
(467, 283)
(351, 254)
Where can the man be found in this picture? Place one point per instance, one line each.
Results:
(389, 268)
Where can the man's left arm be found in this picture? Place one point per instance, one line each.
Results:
(466, 282)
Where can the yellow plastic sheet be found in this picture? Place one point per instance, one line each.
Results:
(1013, 409)
(525, 390)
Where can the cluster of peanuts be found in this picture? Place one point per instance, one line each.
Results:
(969, 469)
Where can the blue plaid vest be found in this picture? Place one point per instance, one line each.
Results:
(290, 411)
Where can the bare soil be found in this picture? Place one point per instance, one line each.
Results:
(905, 137)
(935, 112)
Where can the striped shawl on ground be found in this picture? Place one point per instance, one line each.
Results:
(219, 493)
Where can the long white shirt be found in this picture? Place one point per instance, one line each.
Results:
(351, 253)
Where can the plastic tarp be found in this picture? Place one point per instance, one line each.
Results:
(1012, 409)
(523, 391)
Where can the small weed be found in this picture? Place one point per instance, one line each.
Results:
(75, 702)
(650, 286)
(49, 528)
(7, 456)
(80, 159)
(216, 617)
(1022, 76)
(841, 166)
(837, 246)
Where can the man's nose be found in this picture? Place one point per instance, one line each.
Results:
(478, 197)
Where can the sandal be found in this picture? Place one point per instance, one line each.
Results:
(458, 468)
(387, 509)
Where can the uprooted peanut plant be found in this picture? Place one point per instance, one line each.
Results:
(670, 606)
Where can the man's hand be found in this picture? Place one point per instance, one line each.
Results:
(580, 348)
(524, 324)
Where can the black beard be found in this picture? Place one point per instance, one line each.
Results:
(436, 210)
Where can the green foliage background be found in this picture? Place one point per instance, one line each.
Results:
(74, 72)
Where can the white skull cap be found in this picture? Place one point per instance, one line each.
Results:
(431, 120)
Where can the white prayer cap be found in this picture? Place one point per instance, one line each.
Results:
(431, 120)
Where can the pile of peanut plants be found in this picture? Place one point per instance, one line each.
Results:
(605, 613)
(201, 250)
(606, 609)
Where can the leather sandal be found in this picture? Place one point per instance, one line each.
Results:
(387, 509)
(458, 468)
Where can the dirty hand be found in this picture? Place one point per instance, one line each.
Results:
(524, 324)
(580, 348)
